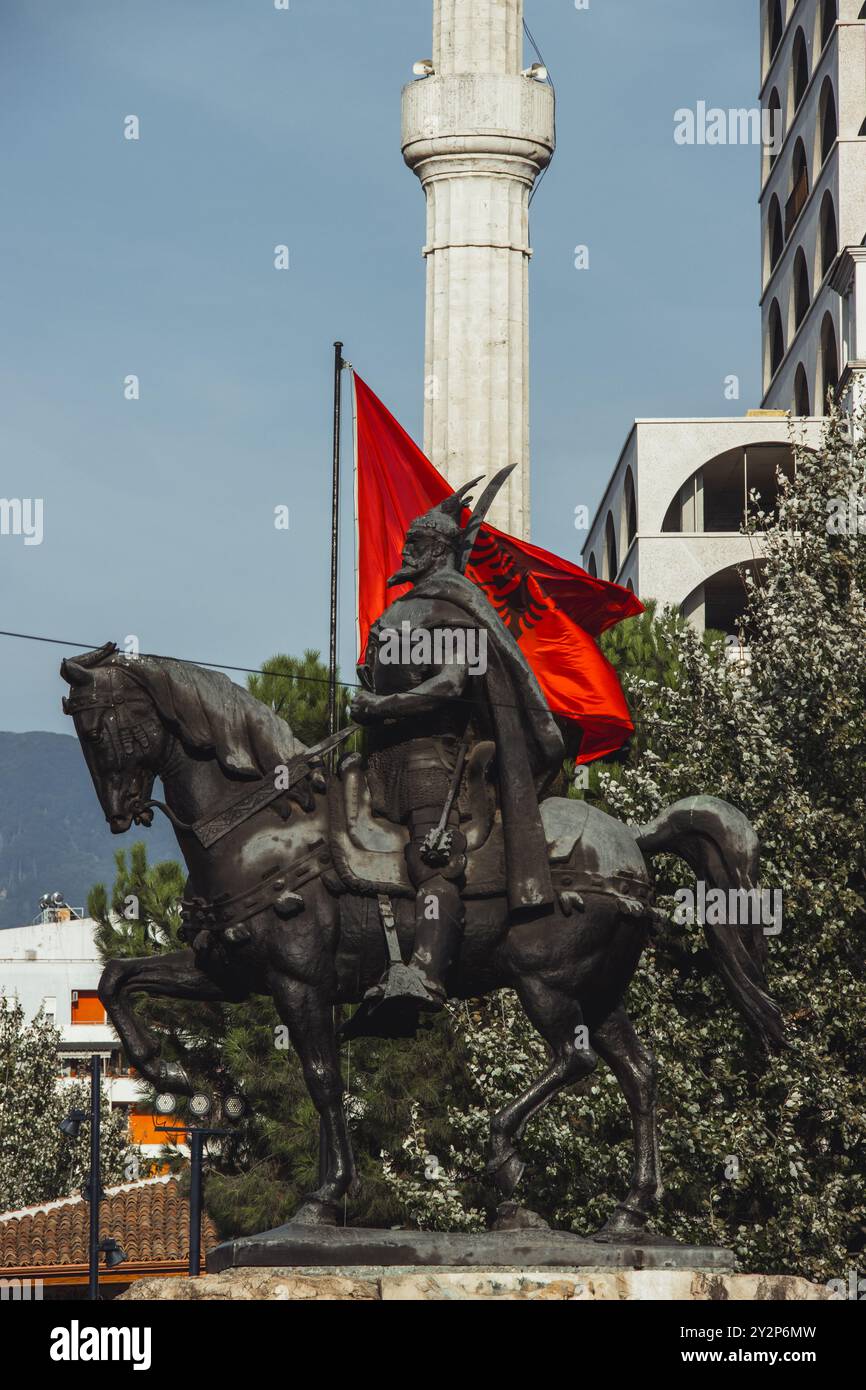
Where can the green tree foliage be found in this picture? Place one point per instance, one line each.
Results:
(37, 1162)
(297, 690)
(769, 1160)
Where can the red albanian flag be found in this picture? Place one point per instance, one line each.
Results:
(552, 608)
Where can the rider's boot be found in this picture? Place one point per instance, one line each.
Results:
(438, 930)
(404, 991)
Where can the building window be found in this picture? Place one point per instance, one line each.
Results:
(801, 392)
(829, 359)
(611, 563)
(801, 68)
(774, 106)
(802, 296)
(630, 508)
(86, 1007)
(776, 26)
(715, 499)
(829, 15)
(776, 337)
(828, 124)
(725, 600)
(799, 187)
(592, 567)
(829, 238)
(776, 235)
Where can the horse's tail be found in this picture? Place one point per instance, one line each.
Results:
(720, 845)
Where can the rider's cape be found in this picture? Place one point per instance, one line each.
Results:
(529, 746)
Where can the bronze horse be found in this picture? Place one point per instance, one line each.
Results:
(269, 913)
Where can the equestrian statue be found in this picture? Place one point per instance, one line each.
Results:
(435, 866)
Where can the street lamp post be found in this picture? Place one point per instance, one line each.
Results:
(92, 1192)
(95, 1186)
(200, 1106)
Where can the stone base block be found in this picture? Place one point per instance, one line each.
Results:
(393, 1285)
(306, 1247)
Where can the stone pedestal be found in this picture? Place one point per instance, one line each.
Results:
(342, 1247)
(396, 1285)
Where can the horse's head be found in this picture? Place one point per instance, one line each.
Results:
(121, 734)
(139, 717)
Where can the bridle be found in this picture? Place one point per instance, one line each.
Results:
(126, 736)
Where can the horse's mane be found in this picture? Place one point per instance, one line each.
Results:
(210, 713)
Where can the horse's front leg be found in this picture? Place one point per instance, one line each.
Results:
(174, 976)
(634, 1067)
(307, 1012)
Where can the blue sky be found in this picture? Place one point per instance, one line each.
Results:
(155, 257)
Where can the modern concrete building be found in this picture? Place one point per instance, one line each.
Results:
(813, 201)
(478, 129)
(668, 525)
(53, 964)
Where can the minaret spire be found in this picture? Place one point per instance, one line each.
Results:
(477, 133)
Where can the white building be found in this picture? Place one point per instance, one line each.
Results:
(668, 525)
(478, 129)
(54, 965)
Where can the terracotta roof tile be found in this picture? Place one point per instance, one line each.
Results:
(149, 1220)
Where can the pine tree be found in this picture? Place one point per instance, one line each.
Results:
(297, 690)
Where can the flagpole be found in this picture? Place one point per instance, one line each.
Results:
(357, 516)
(332, 648)
(335, 538)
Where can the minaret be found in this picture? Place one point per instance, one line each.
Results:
(478, 132)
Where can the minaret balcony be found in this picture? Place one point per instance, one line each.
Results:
(478, 117)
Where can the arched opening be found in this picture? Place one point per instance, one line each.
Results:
(829, 15)
(802, 296)
(776, 337)
(723, 599)
(592, 567)
(775, 233)
(801, 392)
(829, 236)
(801, 67)
(799, 187)
(827, 123)
(714, 498)
(776, 26)
(829, 360)
(611, 562)
(630, 508)
(774, 106)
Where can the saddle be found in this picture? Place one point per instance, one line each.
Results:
(367, 851)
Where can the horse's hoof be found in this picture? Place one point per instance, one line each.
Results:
(174, 1079)
(511, 1216)
(624, 1223)
(315, 1213)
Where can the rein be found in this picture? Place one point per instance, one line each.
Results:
(218, 824)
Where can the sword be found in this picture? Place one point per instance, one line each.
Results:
(435, 848)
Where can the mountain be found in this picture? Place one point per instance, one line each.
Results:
(53, 836)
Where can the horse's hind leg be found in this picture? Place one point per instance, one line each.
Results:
(174, 976)
(308, 1015)
(634, 1067)
(559, 1020)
